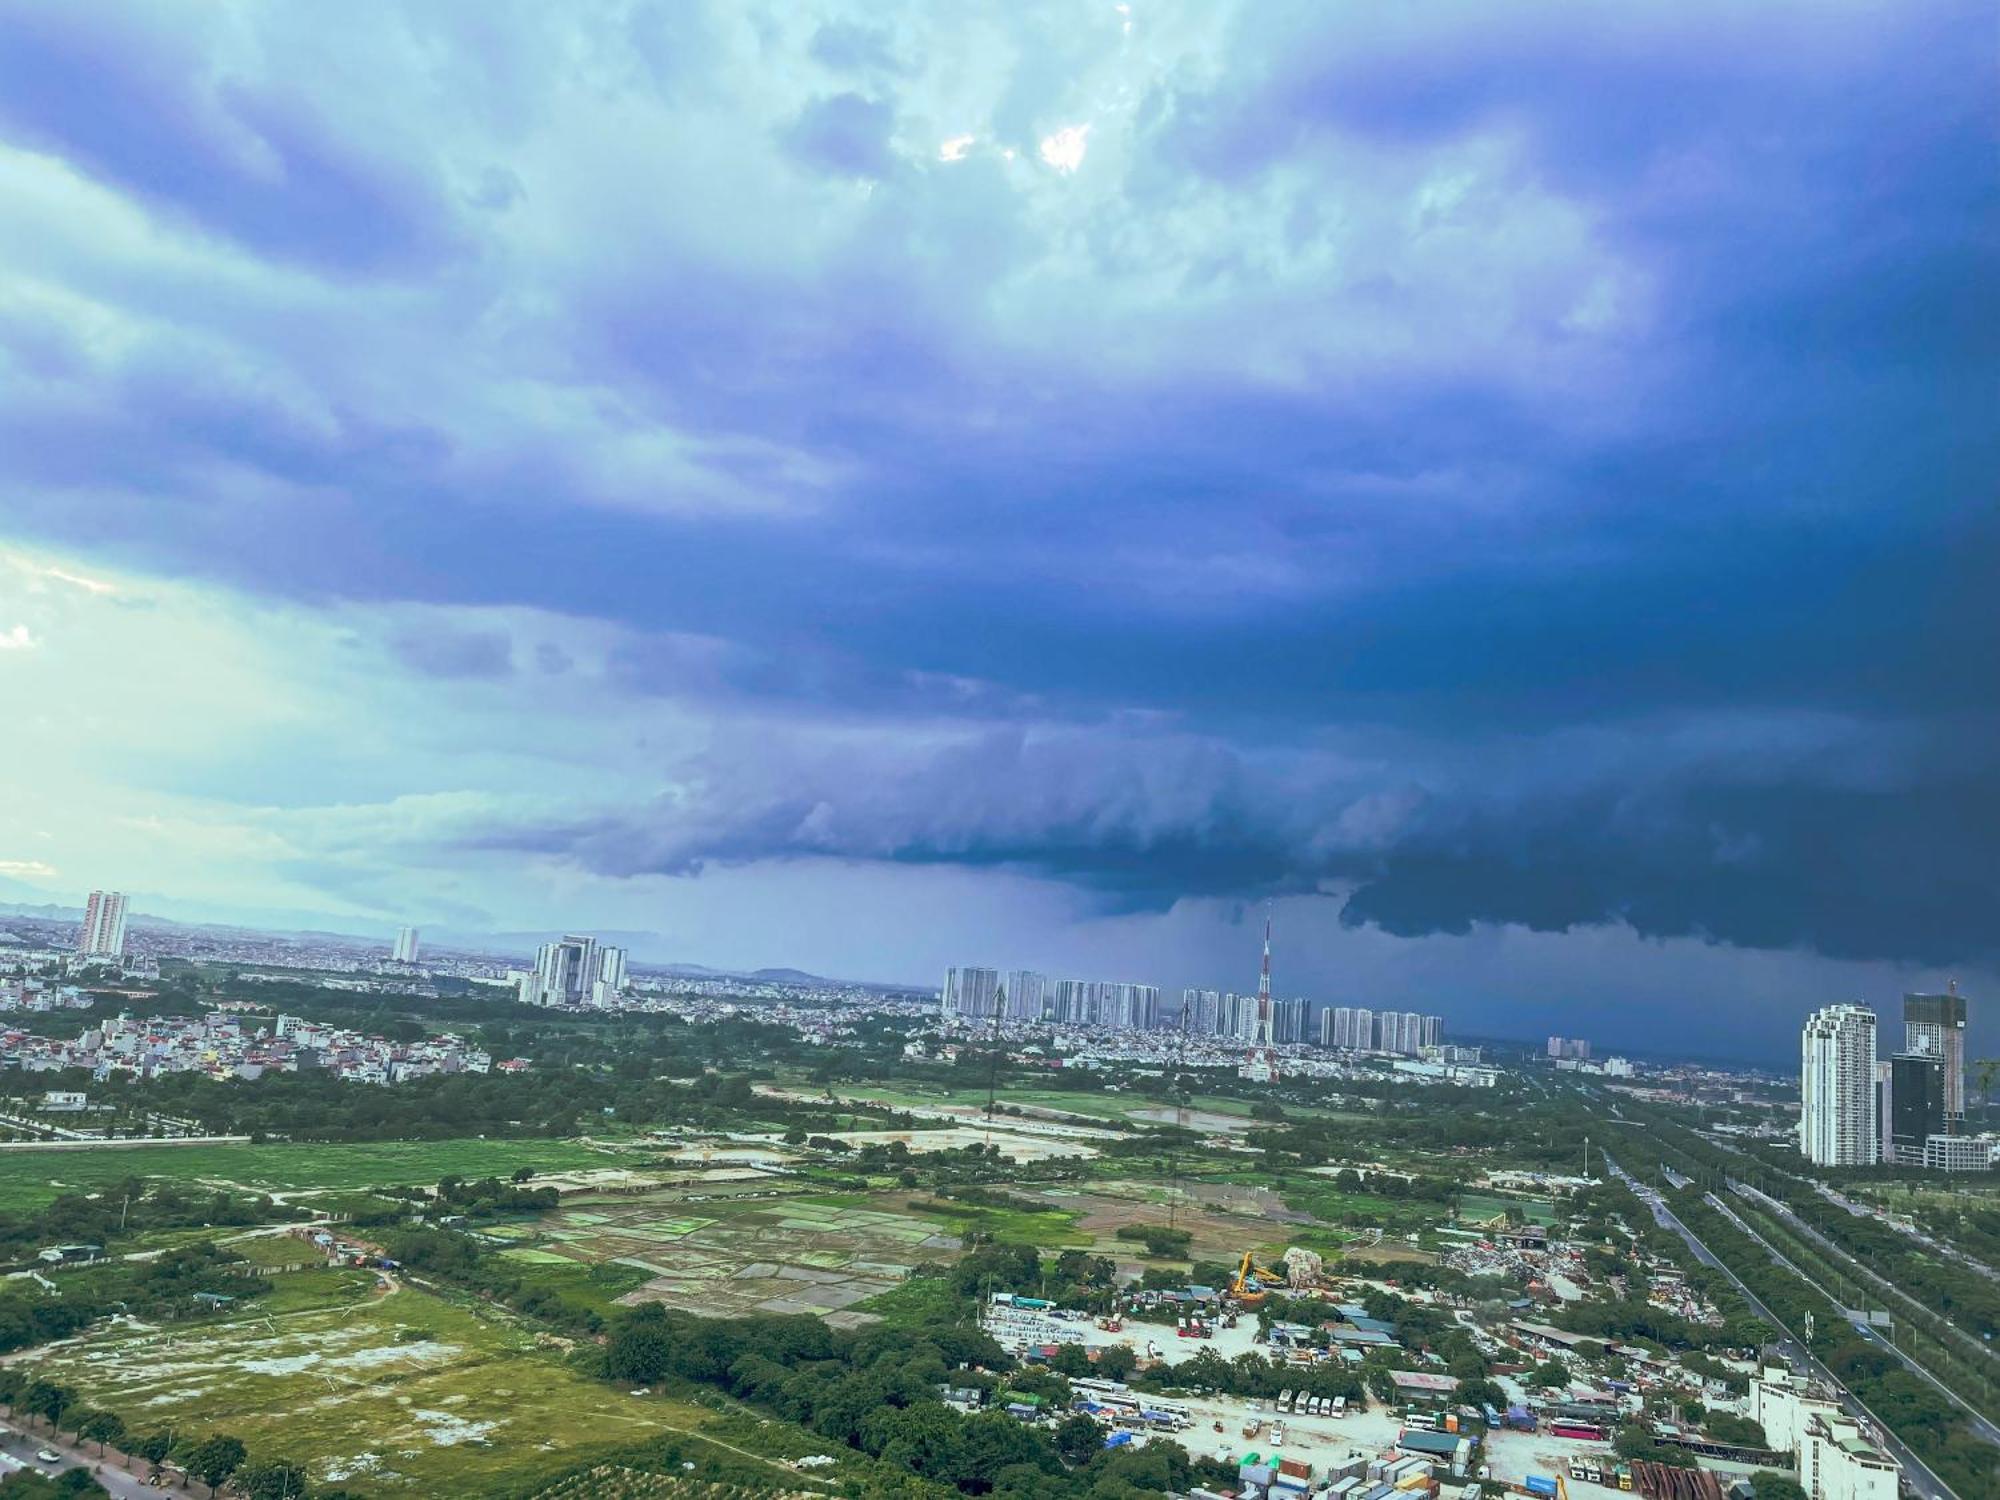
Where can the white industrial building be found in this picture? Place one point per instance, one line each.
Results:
(1834, 1460)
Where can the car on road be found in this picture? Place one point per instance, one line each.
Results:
(48, 1456)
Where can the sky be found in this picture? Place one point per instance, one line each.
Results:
(873, 487)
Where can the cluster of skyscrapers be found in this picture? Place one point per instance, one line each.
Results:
(1356, 1028)
(1223, 1014)
(1220, 1013)
(976, 994)
(102, 935)
(575, 972)
(1571, 1047)
(1858, 1108)
(1351, 1028)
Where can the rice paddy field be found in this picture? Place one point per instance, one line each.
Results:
(385, 1393)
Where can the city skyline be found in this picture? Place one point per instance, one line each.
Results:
(1064, 489)
(1926, 1035)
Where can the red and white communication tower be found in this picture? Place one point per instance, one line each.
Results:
(1262, 1062)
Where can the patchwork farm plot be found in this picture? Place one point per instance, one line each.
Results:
(728, 1258)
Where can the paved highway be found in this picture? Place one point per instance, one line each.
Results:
(1916, 1473)
(1922, 1237)
(21, 1450)
(1981, 1427)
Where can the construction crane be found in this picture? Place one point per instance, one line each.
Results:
(1254, 1282)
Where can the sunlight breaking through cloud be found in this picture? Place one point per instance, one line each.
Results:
(1064, 149)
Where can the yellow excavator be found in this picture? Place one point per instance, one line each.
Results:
(1254, 1282)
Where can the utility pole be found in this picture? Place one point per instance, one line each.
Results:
(993, 1066)
(1180, 1123)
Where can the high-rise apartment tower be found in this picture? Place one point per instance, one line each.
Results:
(103, 931)
(577, 971)
(1837, 1087)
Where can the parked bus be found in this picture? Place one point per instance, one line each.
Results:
(1589, 1431)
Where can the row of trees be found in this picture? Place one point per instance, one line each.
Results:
(213, 1458)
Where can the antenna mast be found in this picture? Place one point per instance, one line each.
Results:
(1263, 1057)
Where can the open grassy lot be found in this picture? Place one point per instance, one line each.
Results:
(1099, 1106)
(817, 1253)
(1477, 1207)
(1332, 1204)
(386, 1394)
(1051, 1228)
(1208, 1111)
(30, 1179)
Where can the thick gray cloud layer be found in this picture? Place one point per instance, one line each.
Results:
(1529, 467)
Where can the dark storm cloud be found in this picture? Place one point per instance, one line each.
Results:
(1803, 834)
(1505, 399)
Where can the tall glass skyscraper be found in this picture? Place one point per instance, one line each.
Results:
(1934, 1025)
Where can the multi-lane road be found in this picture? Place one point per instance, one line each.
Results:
(1916, 1473)
(1981, 1427)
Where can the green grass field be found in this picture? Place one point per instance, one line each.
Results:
(1049, 1229)
(31, 1179)
(395, 1394)
(1480, 1206)
(1335, 1205)
(598, 1287)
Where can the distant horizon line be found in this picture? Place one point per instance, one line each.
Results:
(25, 910)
